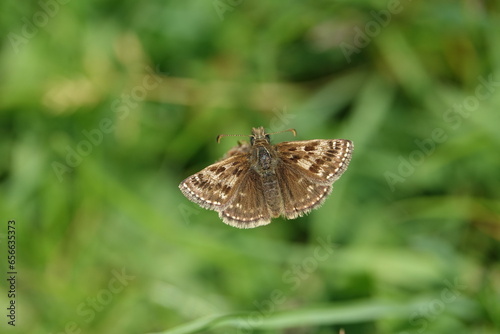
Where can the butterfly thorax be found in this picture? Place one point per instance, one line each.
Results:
(263, 159)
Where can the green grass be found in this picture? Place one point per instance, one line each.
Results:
(107, 106)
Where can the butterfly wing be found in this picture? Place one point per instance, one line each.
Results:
(307, 170)
(299, 193)
(322, 161)
(247, 208)
(214, 187)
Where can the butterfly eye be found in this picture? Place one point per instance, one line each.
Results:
(268, 138)
(252, 140)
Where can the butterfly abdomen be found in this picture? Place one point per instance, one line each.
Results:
(272, 194)
(266, 168)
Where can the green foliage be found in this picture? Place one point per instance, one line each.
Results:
(107, 106)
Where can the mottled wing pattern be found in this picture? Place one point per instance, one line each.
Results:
(307, 170)
(215, 186)
(247, 208)
(322, 160)
(300, 194)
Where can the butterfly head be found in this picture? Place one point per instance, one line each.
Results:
(259, 136)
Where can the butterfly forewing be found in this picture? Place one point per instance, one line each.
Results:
(214, 187)
(321, 160)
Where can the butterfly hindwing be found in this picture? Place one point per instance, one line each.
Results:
(300, 194)
(248, 207)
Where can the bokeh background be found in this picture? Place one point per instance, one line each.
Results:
(106, 106)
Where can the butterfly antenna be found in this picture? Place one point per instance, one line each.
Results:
(289, 130)
(220, 136)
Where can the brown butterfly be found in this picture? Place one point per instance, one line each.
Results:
(259, 181)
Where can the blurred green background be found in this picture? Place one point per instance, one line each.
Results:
(106, 106)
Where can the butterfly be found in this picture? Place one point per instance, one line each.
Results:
(257, 181)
